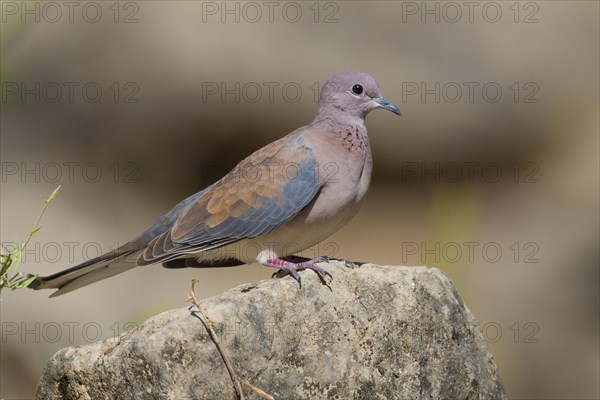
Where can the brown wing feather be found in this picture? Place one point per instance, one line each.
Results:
(261, 193)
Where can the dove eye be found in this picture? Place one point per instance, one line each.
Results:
(357, 89)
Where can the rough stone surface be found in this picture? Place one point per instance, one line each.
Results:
(378, 332)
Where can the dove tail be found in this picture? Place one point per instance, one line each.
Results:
(91, 271)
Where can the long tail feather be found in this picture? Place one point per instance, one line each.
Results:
(91, 271)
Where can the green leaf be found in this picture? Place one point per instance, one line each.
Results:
(17, 255)
(10, 259)
(6, 263)
(22, 282)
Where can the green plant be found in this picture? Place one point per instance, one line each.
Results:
(10, 259)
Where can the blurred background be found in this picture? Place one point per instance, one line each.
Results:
(492, 173)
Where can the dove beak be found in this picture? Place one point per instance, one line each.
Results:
(383, 103)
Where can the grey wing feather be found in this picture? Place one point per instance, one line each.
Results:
(235, 209)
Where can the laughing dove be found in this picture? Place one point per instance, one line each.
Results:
(282, 199)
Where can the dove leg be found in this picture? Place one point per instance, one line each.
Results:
(292, 268)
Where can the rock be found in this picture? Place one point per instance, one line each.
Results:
(378, 332)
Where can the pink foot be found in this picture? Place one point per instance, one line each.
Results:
(292, 268)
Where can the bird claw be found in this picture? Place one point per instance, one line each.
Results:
(296, 276)
(291, 268)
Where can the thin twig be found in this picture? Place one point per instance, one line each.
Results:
(209, 327)
(256, 390)
(208, 324)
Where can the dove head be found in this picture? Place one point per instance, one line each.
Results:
(353, 94)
